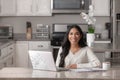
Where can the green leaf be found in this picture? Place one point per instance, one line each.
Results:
(91, 29)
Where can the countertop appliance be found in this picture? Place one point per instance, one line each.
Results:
(6, 32)
(42, 31)
(71, 6)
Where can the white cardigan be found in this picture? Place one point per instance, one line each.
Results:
(84, 58)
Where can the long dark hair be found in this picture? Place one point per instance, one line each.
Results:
(66, 43)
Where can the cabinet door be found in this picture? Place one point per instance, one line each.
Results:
(1, 65)
(4, 52)
(8, 7)
(11, 59)
(101, 7)
(42, 7)
(7, 55)
(11, 48)
(24, 7)
(22, 53)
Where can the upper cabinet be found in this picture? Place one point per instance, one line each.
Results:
(7, 7)
(25, 8)
(101, 7)
(42, 7)
(34, 8)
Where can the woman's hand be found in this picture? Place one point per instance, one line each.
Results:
(72, 66)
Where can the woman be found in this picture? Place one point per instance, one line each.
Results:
(74, 53)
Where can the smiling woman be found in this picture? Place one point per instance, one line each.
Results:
(74, 52)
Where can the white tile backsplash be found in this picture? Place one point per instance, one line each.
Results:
(19, 23)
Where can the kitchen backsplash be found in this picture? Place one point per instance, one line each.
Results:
(19, 23)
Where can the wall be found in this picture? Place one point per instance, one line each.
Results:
(19, 23)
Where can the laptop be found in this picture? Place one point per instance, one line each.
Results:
(43, 60)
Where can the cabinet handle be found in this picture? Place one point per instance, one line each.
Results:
(11, 48)
(40, 45)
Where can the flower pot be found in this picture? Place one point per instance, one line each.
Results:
(90, 39)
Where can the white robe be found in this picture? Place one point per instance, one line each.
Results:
(84, 58)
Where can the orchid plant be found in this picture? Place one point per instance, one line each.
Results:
(90, 19)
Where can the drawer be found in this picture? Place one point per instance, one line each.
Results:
(1, 65)
(4, 52)
(39, 45)
(9, 62)
(11, 48)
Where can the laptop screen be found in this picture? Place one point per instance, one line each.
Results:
(42, 60)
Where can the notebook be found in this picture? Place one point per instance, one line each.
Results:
(43, 60)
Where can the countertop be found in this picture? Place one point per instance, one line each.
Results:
(22, 37)
(30, 74)
(102, 47)
(97, 47)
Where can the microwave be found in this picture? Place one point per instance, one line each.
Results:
(70, 6)
(6, 32)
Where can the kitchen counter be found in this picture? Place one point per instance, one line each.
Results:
(102, 47)
(30, 74)
(97, 47)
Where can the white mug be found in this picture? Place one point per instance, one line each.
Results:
(106, 65)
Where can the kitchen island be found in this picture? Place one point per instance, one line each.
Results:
(12, 73)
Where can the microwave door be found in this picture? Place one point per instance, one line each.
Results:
(65, 4)
(71, 6)
(5, 32)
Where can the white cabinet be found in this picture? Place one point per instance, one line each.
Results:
(10, 60)
(101, 7)
(22, 54)
(42, 7)
(7, 56)
(34, 8)
(24, 7)
(39, 45)
(22, 48)
(7, 7)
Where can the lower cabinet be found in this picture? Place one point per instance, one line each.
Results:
(22, 48)
(39, 46)
(7, 56)
(22, 54)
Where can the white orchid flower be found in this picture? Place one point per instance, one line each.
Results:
(89, 17)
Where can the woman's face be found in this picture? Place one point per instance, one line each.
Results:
(74, 36)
